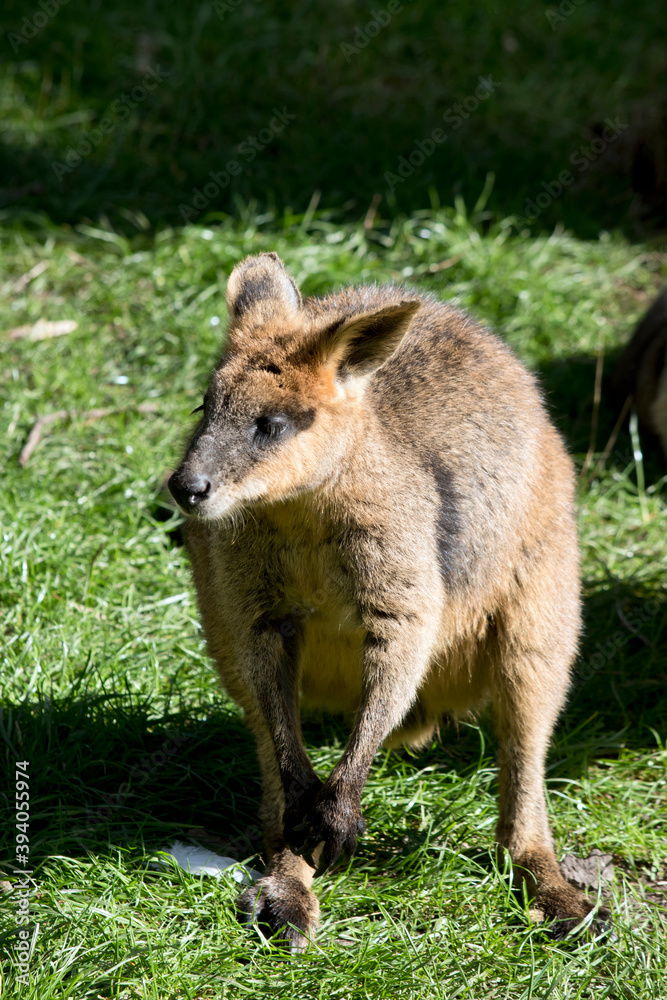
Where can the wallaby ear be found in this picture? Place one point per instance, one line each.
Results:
(261, 281)
(359, 345)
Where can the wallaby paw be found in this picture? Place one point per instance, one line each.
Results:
(283, 908)
(600, 926)
(565, 907)
(333, 825)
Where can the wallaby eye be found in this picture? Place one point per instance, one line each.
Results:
(269, 428)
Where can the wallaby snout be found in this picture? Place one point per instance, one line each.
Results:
(188, 489)
(198, 475)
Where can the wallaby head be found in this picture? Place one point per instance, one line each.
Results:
(287, 398)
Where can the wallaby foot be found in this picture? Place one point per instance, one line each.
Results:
(283, 908)
(564, 906)
(281, 904)
(526, 706)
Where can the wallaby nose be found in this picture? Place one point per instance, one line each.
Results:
(189, 491)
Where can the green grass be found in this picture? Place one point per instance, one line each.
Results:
(355, 115)
(104, 663)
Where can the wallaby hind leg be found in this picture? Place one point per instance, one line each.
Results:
(527, 700)
(281, 901)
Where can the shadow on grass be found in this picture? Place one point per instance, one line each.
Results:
(132, 110)
(104, 770)
(569, 387)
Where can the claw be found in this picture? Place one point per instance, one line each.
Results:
(316, 855)
(307, 855)
(313, 850)
(326, 859)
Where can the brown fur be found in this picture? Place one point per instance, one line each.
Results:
(404, 548)
(641, 371)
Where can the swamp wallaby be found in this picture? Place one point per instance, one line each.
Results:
(641, 371)
(381, 523)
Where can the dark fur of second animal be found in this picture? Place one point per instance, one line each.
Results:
(381, 523)
(641, 371)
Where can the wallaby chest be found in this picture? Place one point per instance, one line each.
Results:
(305, 565)
(316, 595)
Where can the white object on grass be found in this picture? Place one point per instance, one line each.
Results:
(199, 860)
